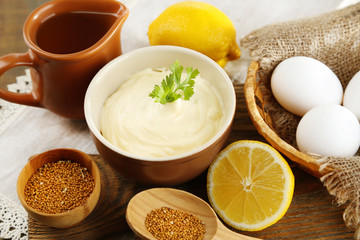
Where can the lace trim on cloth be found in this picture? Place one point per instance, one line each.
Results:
(13, 220)
(9, 111)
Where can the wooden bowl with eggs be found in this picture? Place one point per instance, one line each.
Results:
(328, 126)
(330, 38)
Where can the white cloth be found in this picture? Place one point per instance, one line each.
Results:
(34, 130)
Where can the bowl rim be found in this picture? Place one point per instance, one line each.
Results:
(151, 50)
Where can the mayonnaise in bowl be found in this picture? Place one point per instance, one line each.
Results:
(135, 123)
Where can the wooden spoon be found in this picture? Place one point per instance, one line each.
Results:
(146, 201)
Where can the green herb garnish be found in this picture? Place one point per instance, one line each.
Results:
(168, 91)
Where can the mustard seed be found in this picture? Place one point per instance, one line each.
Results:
(59, 187)
(167, 223)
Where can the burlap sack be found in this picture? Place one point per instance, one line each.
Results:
(334, 39)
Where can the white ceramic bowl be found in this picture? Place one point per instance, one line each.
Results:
(163, 171)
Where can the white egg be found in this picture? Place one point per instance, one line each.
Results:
(329, 130)
(352, 95)
(302, 83)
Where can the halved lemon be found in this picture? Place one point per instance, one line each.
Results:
(250, 185)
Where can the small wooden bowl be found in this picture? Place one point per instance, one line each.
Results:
(263, 123)
(64, 219)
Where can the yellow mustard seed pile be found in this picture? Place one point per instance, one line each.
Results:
(166, 223)
(59, 187)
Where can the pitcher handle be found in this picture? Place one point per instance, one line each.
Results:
(14, 60)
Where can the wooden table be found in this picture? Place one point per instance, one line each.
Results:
(312, 214)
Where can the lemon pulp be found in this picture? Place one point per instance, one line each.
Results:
(250, 185)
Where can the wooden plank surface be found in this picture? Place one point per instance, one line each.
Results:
(12, 17)
(312, 213)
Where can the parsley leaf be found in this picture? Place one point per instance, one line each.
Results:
(168, 91)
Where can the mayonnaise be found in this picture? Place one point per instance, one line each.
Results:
(135, 123)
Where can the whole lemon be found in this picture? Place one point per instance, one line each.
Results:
(198, 26)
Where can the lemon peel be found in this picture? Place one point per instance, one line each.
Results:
(198, 26)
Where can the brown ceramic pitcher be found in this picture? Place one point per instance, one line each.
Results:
(69, 41)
